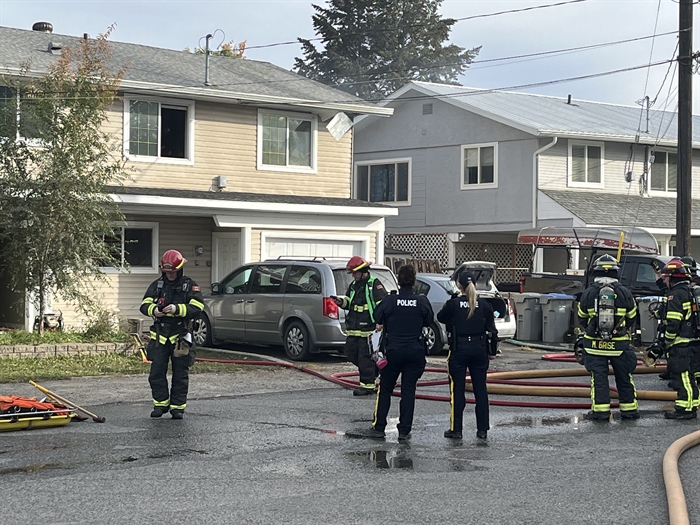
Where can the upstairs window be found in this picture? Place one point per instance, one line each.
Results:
(159, 130)
(17, 118)
(286, 142)
(386, 181)
(663, 174)
(585, 164)
(479, 166)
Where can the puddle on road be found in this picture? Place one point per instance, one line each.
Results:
(404, 459)
(544, 421)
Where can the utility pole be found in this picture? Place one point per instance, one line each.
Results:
(685, 128)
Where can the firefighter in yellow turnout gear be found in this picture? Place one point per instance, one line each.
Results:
(607, 312)
(679, 338)
(361, 299)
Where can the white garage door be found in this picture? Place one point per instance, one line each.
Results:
(331, 248)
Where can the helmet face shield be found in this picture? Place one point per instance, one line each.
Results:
(606, 264)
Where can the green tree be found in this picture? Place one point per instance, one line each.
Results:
(373, 47)
(56, 162)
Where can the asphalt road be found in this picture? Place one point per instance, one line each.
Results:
(266, 445)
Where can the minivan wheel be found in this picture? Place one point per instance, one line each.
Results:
(431, 334)
(297, 343)
(201, 331)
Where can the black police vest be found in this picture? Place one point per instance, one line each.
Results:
(474, 326)
(404, 320)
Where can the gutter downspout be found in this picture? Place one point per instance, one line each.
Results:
(537, 259)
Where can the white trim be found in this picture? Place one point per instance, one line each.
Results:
(246, 236)
(479, 186)
(375, 162)
(189, 130)
(314, 142)
(572, 184)
(155, 249)
(265, 234)
(151, 201)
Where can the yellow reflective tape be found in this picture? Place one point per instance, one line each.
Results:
(148, 300)
(196, 304)
(178, 407)
(182, 310)
(161, 403)
(151, 309)
(678, 316)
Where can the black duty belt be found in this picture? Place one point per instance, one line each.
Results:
(473, 337)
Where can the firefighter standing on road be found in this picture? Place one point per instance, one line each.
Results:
(679, 339)
(607, 312)
(361, 300)
(402, 317)
(468, 319)
(173, 301)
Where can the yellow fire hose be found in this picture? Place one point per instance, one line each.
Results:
(677, 508)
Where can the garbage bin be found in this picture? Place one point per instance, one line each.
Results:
(556, 316)
(529, 316)
(647, 322)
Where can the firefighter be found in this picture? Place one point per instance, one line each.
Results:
(402, 317)
(470, 321)
(679, 339)
(607, 312)
(361, 300)
(173, 301)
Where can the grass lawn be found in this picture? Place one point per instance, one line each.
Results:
(64, 367)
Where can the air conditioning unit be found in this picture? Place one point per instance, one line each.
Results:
(221, 181)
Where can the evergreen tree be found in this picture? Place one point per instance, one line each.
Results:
(373, 47)
(56, 162)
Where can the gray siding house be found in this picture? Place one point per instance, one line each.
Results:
(469, 168)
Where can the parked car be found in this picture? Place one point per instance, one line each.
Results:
(438, 288)
(281, 302)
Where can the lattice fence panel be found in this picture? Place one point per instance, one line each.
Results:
(423, 246)
(511, 259)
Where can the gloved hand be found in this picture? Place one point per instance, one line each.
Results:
(654, 352)
(578, 349)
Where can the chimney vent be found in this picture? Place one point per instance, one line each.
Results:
(55, 48)
(85, 36)
(43, 27)
(569, 100)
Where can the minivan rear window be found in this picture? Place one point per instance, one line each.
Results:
(343, 280)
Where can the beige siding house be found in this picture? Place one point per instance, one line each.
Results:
(256, 165)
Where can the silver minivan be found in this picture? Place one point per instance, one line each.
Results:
(281, 302)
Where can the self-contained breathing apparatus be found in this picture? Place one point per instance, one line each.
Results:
(605, 312)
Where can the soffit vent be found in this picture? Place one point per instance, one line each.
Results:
(428, 109)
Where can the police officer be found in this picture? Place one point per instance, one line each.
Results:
(679, 339)
(607, 313)
(173, 301)
(470, 321)
(361, 300)
(402, 317)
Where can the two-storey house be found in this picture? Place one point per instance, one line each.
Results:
(254, 164)
(469, 168)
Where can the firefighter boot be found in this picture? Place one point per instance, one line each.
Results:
(177, 413)
(681, 414)
(597, 416)
(159, 411)
(453, 434)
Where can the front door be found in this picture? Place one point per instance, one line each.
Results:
(227, 254)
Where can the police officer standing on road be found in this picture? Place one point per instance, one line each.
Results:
(607, 312)
(402, 317)
(173, 301)
(361, 300)
(470, 320)
(679, 339)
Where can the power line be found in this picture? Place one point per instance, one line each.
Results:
(531, 8)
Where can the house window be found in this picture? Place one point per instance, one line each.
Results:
(16, 114)
(134, 247)
(664, 171)
(384, 182)
(286, 142)
(479, 166)
(585, 164)
(155, 129)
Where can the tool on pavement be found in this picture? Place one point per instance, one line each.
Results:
(95, 418)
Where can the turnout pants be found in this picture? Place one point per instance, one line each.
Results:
(357, 352)
(409, 362)
(623, 366)
(683, 362)
(470, 355)
(176, 398)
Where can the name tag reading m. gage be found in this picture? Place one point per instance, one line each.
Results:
(406, 302)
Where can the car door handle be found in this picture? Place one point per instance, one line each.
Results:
(250, 301)
(239, 301)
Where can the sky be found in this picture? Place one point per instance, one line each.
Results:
(177, 24)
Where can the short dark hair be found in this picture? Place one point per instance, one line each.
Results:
(407, 275)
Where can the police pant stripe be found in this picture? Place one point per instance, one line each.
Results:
(452, 394)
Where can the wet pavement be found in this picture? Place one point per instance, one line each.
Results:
(267, 445)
